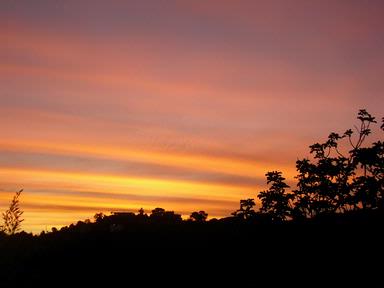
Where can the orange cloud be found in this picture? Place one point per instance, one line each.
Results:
(198, 98)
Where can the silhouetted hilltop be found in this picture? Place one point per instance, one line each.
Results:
(329, 228)
(97, 251)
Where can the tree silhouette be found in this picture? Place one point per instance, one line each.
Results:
(246, 209)
(141, 212)
(276, 202)
(99, 217)
(337, 178)
(160, 215)
(200, 216)
(141, 215)
(157, 213)
(336, 181)
(12, 217)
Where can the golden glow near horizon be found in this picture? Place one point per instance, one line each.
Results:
(183, 105)
(183, 196)
(207, 162)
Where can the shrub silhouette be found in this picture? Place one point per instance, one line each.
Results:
(275, 201)
(141, 212)
(12, 217)
(157, 213)
(200, 216)
(99, 217)
(246, 209)
(160, 215)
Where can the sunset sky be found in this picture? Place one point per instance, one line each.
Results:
(185, 105)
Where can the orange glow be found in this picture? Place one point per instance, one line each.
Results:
(204, 162)
(104, 184)
(185, 106)
(122, 184)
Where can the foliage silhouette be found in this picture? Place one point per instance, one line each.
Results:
(341, 184)
(246, 211)
(276, 202)
(12, 217)
(99, 217)
(157, 213)
(200, 216)
(160, 215)
(341, 181)
(336, 180)
(141, 212)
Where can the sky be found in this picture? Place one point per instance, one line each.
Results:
(185, 105)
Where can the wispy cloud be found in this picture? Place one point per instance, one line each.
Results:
(185, 99)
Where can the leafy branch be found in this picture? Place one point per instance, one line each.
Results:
(12, 217)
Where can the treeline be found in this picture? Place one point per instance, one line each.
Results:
(341, 183)
(343, 180)
(342, 176)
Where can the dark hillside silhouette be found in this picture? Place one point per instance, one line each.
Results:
(328, 229)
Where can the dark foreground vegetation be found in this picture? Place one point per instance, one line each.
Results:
(328, 231)
(339, 250)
